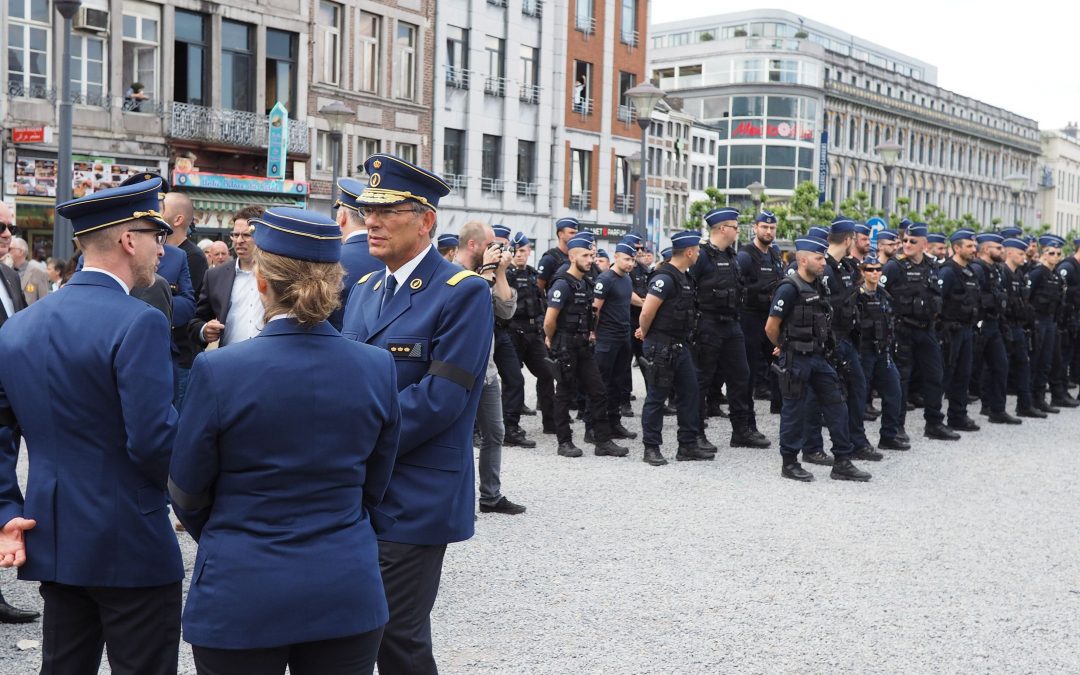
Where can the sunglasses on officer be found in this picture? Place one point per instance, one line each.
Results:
(8, 227)
(871, 269)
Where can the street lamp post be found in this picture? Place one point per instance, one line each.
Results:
(1016, 183)
(757, 195)
(62, 244)
(644, 98)
(337, 114)
(633, 162)
(889, 151)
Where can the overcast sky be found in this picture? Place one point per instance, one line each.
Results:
(1021, 56)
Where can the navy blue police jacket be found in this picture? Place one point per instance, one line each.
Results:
(283, 453)
(87, 372)
(438, 327)
(357, 261)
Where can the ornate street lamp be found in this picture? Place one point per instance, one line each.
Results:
(889, 151)
(644, 98)
(1017, 182)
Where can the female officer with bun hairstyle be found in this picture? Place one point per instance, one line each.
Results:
(282, 456)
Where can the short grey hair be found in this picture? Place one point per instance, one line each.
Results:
(20, 243)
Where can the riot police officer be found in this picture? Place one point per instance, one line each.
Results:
(1067, 369)
(762, 269)
(913, 284)
(508, 363)
(937, 248)
(556, 256)
(1019, 318)
(990, 348)
(886, 246)
(721, 347)
(799, 326)
(613, 296)
(667, 323)
(526, 331)
(568, 324)
(876, 335)
(1047, 297)
(959, 312)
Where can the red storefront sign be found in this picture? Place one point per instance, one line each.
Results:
(781, 130)
(28, 135)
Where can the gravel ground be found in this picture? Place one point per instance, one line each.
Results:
(955, 558)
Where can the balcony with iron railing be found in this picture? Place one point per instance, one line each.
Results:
(629, 37)
(627, 114)
(580, 201)
(624, 203)
(457, 78)
(585, 24)
(231, 127)
(532, 8)
(495, 86)
(527, 190)
(456, 181)
(583, 106)
(493, 185)
(498, 3)
(529, 93)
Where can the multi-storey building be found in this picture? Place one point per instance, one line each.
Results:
(1059, 180)
(796, 100)
(531, 121)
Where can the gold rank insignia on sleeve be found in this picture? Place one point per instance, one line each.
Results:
(406, 350)
(456, 279)
(29, 288)
(364, 278)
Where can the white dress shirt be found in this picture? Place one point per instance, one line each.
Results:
(405, 271)
(108, 273)
(245, 309)
(5, 299)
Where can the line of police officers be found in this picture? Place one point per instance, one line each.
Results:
(920, 327)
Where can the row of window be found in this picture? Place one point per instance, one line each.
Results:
(457, 59)
(1068, 186)
(983, 209)
(738, 69)
(362, 149)
(333, 33)
(585, 19)
(492, 172)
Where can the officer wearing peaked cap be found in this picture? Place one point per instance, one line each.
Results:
(286, 513)
(355, 257)
(103, 546)
(800, 328)
(435, 319)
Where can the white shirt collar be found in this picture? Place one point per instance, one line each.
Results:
(240, 271)
(108, 273)
(355, 234)
(405, 271)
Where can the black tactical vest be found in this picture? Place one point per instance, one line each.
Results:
(767, 272)
(576, 318)
(846, 279)
(720, 290)
(1047, 298)
(1072, 293)
(530, 303)
(917, 293)
(992, 296)
(560, 260)
(639, 279)
(676, 317)
(961, 305)
(875, 320)
(807, 329)
(1018, 310)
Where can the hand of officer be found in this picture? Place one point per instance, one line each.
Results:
(776, 351)
(212, 330)
(12, 544)
(638, 335)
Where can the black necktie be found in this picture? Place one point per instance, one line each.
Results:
(388, 292)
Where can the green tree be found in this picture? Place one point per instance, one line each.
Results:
(801, 212)
(714, 199)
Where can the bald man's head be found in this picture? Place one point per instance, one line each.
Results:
(179, 212)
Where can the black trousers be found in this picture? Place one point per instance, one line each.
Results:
(722, 349)
(532, 351)
(141, 626)
(513, 381)
(353, 654)
(585, 382)
(411, 575)
(613, 359)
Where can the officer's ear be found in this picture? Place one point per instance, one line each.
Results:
(427, 221)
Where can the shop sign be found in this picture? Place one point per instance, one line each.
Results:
(220, 181)
(37, 177)
(31, 135)
(789, 130)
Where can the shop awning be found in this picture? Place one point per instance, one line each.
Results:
(231, 202)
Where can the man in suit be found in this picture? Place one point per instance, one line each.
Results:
(11, 301)
(178, 211)
(93, 528)
(436, 320)
(34, 281)
(355, 257)
(229, 308)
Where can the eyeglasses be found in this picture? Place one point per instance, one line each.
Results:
(872, 270)
(240, 236)
(911, 241)
(159, 235)
(8, 227)
(382, 214)
(1054, 253)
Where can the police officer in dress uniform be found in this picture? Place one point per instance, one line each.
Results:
(435, 319)
(799, 326)
(668, 318)
(762, 269)
(876, 347)
(103, 547)
(287, 571)
(1047, 299)
(613, 296)
(993, 303)
(720, 345)
(1067, 368)
(555, 257)
(355, 256)
(959, 312)
(913, 283)
(1019, 318)
(568, 326)
(527, 335)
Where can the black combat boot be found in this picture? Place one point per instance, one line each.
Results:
(653, 456)
(940, 432)
(610, 449)
(568, 449)
(619, 431)
(843, 469)
(1003, 418)
(515, 437)
(817, 457)
(692, 453)
(793, 470)
(749, 438)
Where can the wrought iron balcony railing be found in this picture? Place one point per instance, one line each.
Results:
(530, 93)
(495, 86)
(20, 90)
(457, 78)
(491, 184)
(232, 127)
(580, 201)
(532, 8)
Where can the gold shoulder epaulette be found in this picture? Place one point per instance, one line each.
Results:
(364, 278)
(463, 274)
